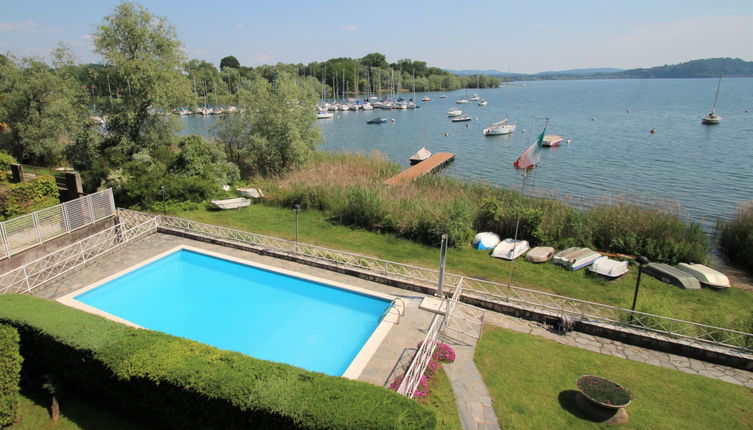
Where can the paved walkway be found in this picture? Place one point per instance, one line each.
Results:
(471, 396)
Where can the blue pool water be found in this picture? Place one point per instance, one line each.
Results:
(241, 308)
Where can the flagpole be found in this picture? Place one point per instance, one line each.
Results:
(522, 196)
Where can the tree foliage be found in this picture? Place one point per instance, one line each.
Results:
(277, 132)
(42, 108)
(145, 53)
(229, 61)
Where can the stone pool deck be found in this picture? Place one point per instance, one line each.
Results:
(473, 401)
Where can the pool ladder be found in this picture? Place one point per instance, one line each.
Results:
(393, 305)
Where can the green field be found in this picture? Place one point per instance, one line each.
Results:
(532, 384)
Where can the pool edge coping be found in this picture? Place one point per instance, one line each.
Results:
(354, 369)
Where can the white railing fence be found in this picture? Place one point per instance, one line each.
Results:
(28, 277)
(25, 231)
(693, 333)
(415, 372)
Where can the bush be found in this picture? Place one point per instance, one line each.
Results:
(736, 237)
(29, 196)
(179, 383)
(10, 373)
(5, 161)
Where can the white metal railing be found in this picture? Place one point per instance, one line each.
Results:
(643, 323)
(25, 231)
(415, 372)
(26, 278)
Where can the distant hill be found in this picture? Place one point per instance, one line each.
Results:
(476, 72)
(582, 71)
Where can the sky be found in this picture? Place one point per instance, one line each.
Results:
(523, 37)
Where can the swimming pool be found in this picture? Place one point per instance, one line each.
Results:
(233, 304)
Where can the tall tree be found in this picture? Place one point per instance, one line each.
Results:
(144, 50)
(229, 61)
(42, 108)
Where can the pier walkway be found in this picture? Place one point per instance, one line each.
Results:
(423, 168)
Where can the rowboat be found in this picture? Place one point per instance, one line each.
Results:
(672, 275)
(510, 249)
(485, 240)
(706, 276)
(575, 258)
(605, 266)
(551, 140)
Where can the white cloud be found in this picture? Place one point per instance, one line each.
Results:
(350, 28)
(23, 26)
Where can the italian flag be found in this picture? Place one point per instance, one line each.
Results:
(530, 157)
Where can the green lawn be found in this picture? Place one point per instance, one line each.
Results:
(705, 306)
(532, 384)
(75, 413)
(442, 401)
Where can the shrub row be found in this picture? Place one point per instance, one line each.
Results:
(29, 196)
(179, 383)
(736, 237)
(5, 161)
(10, 373)
(434, 205)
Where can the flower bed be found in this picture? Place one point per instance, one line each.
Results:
(603, 392)
(443, 353)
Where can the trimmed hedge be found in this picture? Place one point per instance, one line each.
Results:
(10, 374)
(29, 196)
(178, 383)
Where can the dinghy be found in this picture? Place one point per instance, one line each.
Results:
(253, 193)
(610, 268)
(673, 276)
(705, 275)
(510, 249)
(485, 240)
(237, 203)
(540, 254)
(575, 258)
(421, 155)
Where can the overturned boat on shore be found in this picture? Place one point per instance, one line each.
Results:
(707, 276)
(575, 258)
(605, 266)
(510, 249)
(540, 254)
(672, 276)
(485, 240)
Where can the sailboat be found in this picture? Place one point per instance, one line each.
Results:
(712, 118)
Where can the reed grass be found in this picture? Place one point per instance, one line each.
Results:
(736, 237)
(349, 186)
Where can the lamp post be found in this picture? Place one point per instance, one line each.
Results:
(642, 261)
(296, 208)
(164, 205)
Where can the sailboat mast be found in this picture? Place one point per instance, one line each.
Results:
(719, 84)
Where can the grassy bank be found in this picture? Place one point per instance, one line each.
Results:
(532, 384)
(349, 187)
(726, 308)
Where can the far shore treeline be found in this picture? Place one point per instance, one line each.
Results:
(48, 113)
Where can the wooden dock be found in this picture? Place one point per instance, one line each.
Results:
(423, 168)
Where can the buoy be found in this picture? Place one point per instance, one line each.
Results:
(523, 131)
(627, 111)
(652, 131)
(466, 125)
(569, 140)
(445, 133)
(593, 119)
(393, 119)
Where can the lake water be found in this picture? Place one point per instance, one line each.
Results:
(706, 170)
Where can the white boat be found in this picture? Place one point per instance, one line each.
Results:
(323, 114)
(485, 240)
(253, 193)
(461, 118)
(510, 249)
(706, 275)
(461, 101)
(426, 99)
(475, 98)
(367, 106)
(610, 268)
(540, 254)
(499, 127)
(483, 103)
(237, 203)
(712, 118)
(443, 96)
(420, 156)
(401, 105)
(454, 112)
(575, 258)
(551, 140)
